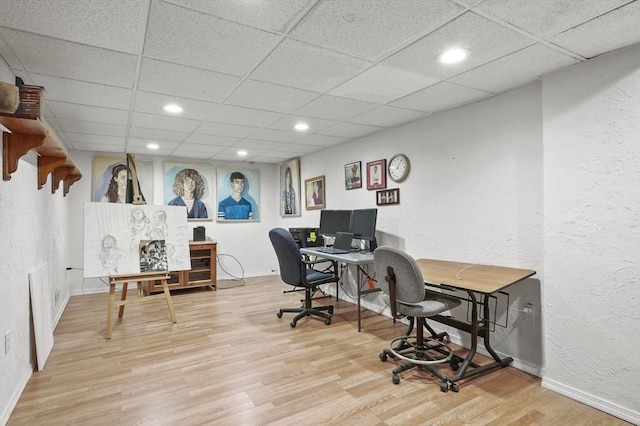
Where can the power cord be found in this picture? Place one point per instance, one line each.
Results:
(240, 279)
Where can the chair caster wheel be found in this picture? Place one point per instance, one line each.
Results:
(279, 314)
(454, 387)
(454, 366)
(293, 324)
(327, 321)
(395, 379)
(331, 311)
(382, 356)
(444, 387)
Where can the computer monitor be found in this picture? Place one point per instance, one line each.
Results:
(332, 221)
(363, 226)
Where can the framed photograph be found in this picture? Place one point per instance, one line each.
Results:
(388, 196)
(314, 193)
(190, 186)
(238, 194)
(353, 175)
(110, 179)
(290, 188)
(377, 174)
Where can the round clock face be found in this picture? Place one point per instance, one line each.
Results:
(399, 167)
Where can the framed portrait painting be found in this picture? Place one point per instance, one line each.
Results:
(314, 193)
(353, 175)
(290, 188)
(110, 179)
(377, 174)
(190, 186)
(238, 192)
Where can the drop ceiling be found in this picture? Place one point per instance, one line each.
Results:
(246, 71)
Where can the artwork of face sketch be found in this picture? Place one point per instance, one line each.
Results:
(129, 239)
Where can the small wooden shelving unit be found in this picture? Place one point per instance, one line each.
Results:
(203, 271)
(27, 134)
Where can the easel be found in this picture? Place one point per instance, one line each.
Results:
(139, 279)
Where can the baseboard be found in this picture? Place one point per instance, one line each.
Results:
(15, 397)
(592, 401)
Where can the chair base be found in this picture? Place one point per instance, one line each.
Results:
(307, 312)
(423, 353)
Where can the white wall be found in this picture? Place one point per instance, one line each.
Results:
(592, 231)
(33, 231)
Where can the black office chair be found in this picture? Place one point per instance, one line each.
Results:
(405, 290)
(298, 271)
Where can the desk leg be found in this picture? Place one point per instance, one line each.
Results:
(122, 298)
(112, 301)
(462, 373)
(167, 294)
(359, 296)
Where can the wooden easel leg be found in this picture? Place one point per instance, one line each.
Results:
(124, 297)
(167, 294)
(112, 301)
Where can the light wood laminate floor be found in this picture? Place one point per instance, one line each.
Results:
(229, 361)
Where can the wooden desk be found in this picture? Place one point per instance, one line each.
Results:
(476, 280)
(138, 279)
(356, 258)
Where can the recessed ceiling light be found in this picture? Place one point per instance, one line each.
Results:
(153, 146)
(301, 127)
(173, 108)
(242, 153)
(453, 56)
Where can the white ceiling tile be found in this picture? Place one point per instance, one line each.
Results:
(45, 55)
(89, 113)
(229, 130)
(98, 147)
(200, 139)
(270, 97)
(299, 148)
(156, 135)
(515, 70)
(350, 130)
(183, 36)
(382, 84)
(439, 97)
(254, 144)
(612, 31)
(153, 103)
(484, 39)
(76, 138)
(80, 92)
(387, 116)
(371, 28)
(143, 150)
(142, 141)
(288, 122)
(321, 140)
(270, 15)
(244, 116)
(276, 135)
(184, 81)
(163, 122)
(549, 17)
(110, 24)
(307, 67)
(334, 108)
(83, 126)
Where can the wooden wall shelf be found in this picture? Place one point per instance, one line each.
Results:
(27, 134)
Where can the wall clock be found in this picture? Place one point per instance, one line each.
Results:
(399, 167)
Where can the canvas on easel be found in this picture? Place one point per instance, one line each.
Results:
(113, 234)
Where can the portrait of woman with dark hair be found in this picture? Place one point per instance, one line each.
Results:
(189, 187)
(117, 189)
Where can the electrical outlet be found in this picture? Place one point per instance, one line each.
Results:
(529, 312)
(7, 342)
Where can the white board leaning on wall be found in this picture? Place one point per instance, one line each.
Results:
(115, 235)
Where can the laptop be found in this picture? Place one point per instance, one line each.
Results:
(341, 245)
